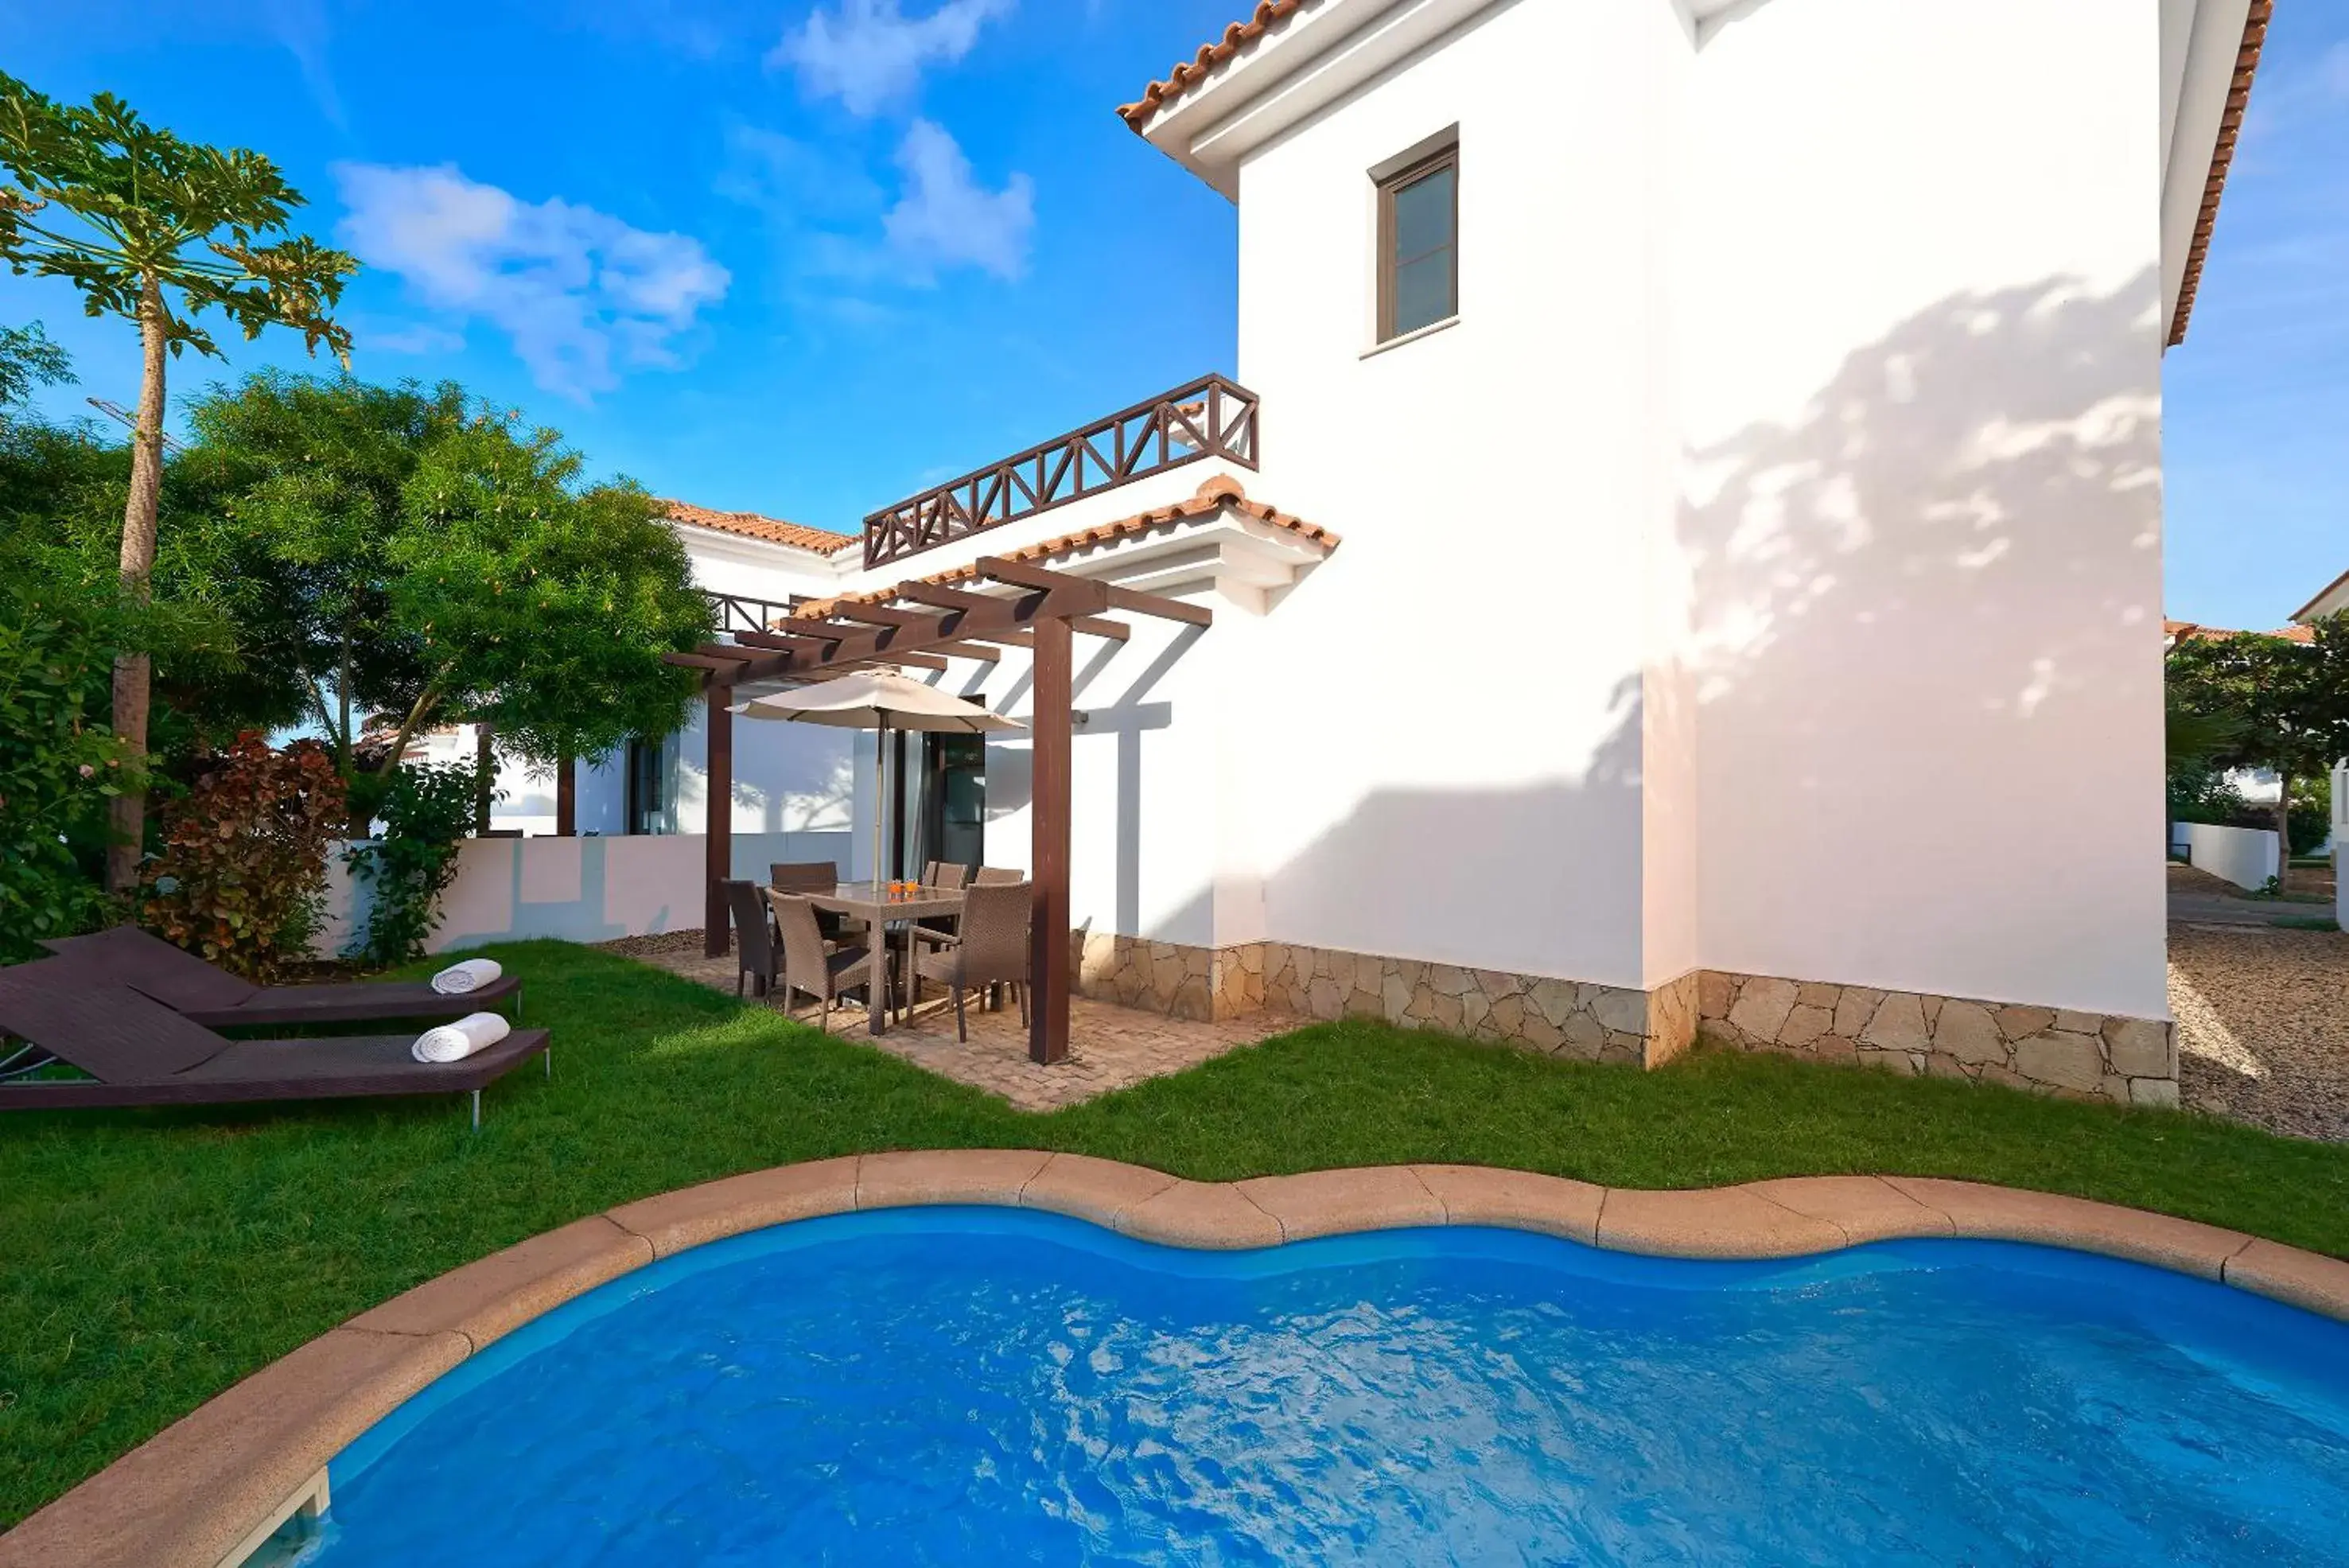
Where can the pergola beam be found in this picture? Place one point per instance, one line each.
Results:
(785, 642)
(879, 614)
(1019, 573)
(944, 597)
(1077, 600)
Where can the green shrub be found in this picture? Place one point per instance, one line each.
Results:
(58, 765)
(243, 866)
(427, 810)
(2311, 814)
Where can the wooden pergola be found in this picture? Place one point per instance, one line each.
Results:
(919, 626)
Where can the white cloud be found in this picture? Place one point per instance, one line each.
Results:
(409, 337)
(577, 290)
(869, 54)
(944, 218)
(793, 180)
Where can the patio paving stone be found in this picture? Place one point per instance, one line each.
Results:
(1110, 1047)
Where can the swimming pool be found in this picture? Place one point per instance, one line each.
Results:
(956, 1384)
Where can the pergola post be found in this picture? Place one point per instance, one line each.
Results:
(1048, 819)
(485, 775)
(566, 797)
(718, 841)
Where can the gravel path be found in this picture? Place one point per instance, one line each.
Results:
(2263, 1025)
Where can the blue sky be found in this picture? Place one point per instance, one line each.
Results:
(794, 257)
(2255, 430)
(805, 256)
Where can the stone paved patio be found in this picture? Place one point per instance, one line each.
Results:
(1110, 1047)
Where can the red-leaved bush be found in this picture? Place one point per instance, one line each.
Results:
(243, 865)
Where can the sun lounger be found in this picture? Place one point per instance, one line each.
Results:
(139, 1052)
(126, 955)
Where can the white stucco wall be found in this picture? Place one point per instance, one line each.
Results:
(577, 890)
(1922, 384)
(1143, 821)
(2243, 856)
(1443, 747)
(726, 564)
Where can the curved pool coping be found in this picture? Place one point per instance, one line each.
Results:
(197, 1490)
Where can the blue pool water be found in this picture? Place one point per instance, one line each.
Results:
(961, 1386)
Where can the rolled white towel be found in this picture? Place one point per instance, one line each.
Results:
(470, 975)
(455, 1042)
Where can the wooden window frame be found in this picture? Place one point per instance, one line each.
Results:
(1389, 264)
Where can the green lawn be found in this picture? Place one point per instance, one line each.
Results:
(150, 1259)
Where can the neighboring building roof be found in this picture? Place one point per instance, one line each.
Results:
(1211, 497)
(2231, 125)
(2333, 590)
(2179, 630)
(772, 530)
(1187, 74)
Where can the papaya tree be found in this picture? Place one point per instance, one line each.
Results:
(158, 231)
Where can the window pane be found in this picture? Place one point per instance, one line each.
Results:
(1423, 214)
(1422, 291)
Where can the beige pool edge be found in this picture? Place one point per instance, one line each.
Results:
(197, 1494)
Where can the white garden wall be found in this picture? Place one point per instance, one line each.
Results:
(579, 890)
(2243, 856)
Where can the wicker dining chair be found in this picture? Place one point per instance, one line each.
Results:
(810, 966)
(991, 949)
(754, 940)
(815, 877)
(946, 873)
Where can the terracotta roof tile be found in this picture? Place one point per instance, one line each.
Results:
(2179, 630)
(1211, 497)
(1187, 74)
(2231, 125)
(750, 525)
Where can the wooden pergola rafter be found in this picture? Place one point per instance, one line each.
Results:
(1043, 612)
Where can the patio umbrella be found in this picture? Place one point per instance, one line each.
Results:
(880, 701)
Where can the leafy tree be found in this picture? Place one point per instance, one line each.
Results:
(299, 484)
(402, 552)
(155, 230)
(28, 359)
(2286, 703)
(541, 606)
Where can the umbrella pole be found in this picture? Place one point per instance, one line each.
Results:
(880, 794)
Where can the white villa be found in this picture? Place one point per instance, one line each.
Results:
(1684, 542)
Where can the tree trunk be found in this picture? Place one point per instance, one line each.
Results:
(361, 824)
(2284, 831)
(132, 671)
(485, 762)
(566, 797)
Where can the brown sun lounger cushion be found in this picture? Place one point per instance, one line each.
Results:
(142, 1053)
(128, 955)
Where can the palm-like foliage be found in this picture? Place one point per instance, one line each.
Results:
(123, 209)
(158, 231)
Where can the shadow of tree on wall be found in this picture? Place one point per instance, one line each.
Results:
(1917, 572)
(1930, 571)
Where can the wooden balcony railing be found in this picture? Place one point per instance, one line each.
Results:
(1210, 417)
(736, 613)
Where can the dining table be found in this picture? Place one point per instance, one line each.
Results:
(882, 904)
